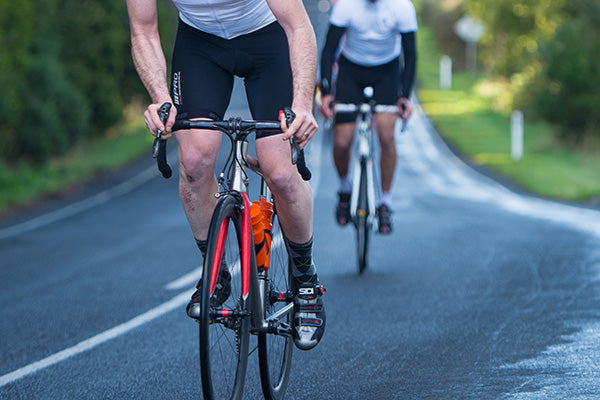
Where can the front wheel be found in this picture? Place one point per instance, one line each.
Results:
(275, 349)
(362, 220)
(224, 322)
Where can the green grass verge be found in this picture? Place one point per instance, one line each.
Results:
(23, 183)
(465, 117)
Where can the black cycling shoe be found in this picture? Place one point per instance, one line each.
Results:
(221, 293)
(309, 315)
(385, 219)
(342, 211)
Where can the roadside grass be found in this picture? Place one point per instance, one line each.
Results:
(23, 183)
(465, 117)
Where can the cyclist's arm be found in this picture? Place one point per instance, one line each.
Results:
(328, 55)
(292, 16)
(407, 76)
(149, 59)
(334, 35)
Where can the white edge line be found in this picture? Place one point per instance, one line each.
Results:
(80, 206)
(185, 280)
(94, 341)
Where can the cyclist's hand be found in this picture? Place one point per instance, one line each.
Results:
(404, 108)
(302, 128)
(326, 109)
(153, 122)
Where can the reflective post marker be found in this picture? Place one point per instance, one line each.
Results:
(445, 73)
(516, 135)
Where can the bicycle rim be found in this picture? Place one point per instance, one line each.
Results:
(223, 341)
(275, 350)
(362, 227)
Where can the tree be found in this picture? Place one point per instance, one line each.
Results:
(514, 29)
(567, 91)
(65, 71)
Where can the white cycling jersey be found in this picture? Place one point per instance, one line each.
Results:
(373, 28)
(225, 18)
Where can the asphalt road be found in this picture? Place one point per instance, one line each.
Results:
(479, 293)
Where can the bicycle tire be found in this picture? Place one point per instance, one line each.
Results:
(224, 341)
(362, 218)
(275, 350)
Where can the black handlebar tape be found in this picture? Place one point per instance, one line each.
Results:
(160, 145)
(297, 152)
(302, 168)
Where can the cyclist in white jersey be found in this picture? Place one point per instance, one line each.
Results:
(378, 50)
(270, 44)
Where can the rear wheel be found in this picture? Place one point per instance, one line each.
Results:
(224, 322)
(362, 218)
(275, 350)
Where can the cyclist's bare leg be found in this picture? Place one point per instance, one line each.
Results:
(198, 152)
(385, 130)
(292, 194)
(342, 144)
(344, 135)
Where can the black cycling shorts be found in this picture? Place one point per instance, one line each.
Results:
(204, 66)
(352, 79)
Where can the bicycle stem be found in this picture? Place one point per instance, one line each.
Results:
(239, 180)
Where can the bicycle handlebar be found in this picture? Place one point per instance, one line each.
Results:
(229, 127)
(367, 107)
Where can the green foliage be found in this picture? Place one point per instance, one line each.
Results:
(441, 17)
(513, 31)
(65, 72)
(567, 91)
(548, 51)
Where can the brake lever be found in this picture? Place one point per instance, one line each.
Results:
(159, 147)
(403, 106)
(297, 153)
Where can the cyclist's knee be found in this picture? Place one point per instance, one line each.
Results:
(342, 145)
(196, 167)
(282, 182)
(386, 141)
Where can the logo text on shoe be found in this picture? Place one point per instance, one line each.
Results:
(306, 291)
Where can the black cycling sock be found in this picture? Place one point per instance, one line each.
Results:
(202, 245)
(303, 269)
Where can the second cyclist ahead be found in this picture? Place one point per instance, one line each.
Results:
(378, 50)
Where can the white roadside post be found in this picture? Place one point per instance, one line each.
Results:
(445, 73)
(516, 135)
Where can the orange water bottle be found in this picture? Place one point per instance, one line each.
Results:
(261, 213)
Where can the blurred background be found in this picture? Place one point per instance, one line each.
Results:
(72, 102)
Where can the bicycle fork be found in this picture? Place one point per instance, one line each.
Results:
(363, 165)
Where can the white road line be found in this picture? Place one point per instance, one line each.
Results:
(92, 342)
(83, 205)
(186, 280)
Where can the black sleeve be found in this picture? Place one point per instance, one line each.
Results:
(334, 34)
(407, 77)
